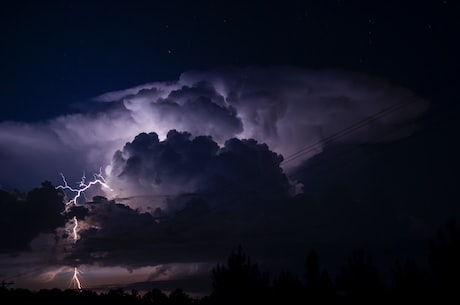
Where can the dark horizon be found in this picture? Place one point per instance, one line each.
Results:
(241, 279)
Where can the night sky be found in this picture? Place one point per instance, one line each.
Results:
(282, 126)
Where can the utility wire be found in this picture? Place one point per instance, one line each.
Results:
(344, 132)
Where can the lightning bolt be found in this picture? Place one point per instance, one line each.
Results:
(75, 228)
(75, 282)
(83, 186)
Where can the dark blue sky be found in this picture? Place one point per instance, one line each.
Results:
(386, 187)
(56, 53)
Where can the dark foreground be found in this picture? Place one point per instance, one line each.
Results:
(242, 282)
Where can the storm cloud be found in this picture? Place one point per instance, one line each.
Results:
(286, 108)
(181, 164)
(198, 165)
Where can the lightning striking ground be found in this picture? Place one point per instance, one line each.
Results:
(75, 282)
(82, 187)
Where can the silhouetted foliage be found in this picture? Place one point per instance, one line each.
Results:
(238, 281)
(320, 288)
(444, 260)
(359, 281)
(179, 297)
(410, 282)
(288, 288)
(155, 296)
(312, 270)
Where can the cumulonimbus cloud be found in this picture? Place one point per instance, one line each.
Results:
(207, 133)
(286, 108)
(181, 164)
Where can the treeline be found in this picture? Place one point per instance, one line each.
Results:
(241, 281)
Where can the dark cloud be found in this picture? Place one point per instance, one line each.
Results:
(25, 216)
(203, 163)
(185, 164)
(284, 107)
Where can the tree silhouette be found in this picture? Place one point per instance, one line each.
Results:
(239, 281)
(411, 283)
(312, 271)
(444, 261)
(155, 296)
(288, 289)
(359, 282)
(320, 288)
(179, 297)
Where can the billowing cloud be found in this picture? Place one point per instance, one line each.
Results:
(286, 108)
(196, 166)
(182, 164)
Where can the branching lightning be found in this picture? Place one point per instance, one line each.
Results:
(82, 187)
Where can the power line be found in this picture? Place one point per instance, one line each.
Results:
(344, 132)
(329, 159)
(308, 148)
(336, 136)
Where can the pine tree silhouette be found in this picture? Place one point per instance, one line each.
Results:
(239, 281)
(359, 282)
(444, 261)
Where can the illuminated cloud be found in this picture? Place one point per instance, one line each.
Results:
(181, 164)
(196, 167)
(283, 107)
